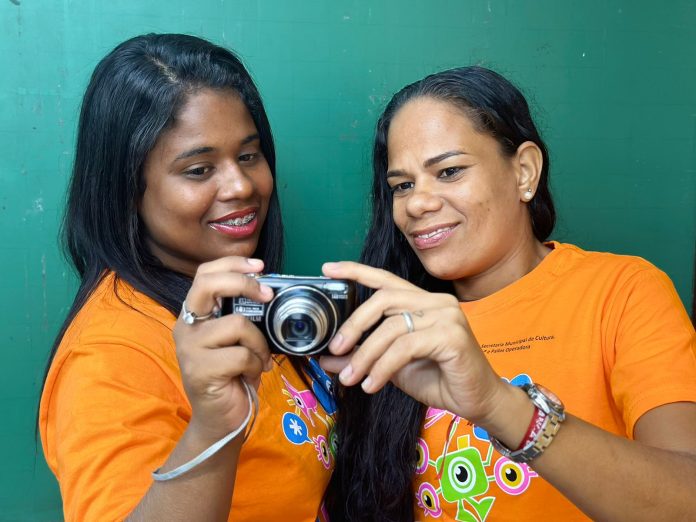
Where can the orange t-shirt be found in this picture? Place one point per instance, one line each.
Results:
(114, 407)
(606, 333)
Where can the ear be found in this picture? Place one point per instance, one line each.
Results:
(528, 162)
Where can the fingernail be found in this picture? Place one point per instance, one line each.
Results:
(345, 373)
(266, 290)
(253, 261)
(367, 384)
(336, 342)
(329, 266)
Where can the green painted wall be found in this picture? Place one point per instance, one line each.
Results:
(613, 85)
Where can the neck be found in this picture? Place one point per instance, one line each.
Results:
(517, 263)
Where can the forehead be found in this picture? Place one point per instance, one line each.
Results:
(431, 124)
(202, 107)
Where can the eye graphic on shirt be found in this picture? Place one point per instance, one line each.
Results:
(428, 500)
(463, 473)
(513, 478)
(422, 456)
(323, 453)
(333, 442)
(305, 401)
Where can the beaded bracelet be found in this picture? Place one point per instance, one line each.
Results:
(214, 448)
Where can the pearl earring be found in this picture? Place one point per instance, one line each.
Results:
(528, 194)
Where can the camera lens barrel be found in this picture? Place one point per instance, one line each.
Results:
(294, 305)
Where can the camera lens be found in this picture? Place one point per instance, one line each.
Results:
(301, 320)
(298, 327)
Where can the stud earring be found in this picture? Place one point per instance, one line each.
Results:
(528, 194)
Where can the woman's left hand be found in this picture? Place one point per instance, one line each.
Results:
(439, 362)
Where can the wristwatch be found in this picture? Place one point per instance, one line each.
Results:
(552, 414)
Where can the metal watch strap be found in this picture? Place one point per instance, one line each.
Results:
(552, 423)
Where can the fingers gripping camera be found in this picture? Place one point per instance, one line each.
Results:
(304, 314)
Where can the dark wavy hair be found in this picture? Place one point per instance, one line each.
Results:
(378, 433)
(133, 96)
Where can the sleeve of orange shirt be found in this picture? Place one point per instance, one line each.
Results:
(654, 345)
(115, 415)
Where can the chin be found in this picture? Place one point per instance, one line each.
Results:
(444, 271)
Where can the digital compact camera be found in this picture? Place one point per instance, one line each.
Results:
(304, 314)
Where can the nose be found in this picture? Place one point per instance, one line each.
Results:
(423, 198)
(234, 183)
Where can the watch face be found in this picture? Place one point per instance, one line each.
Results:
(552, 397)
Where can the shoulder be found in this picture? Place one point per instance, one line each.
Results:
(612, 272)
(117, 331)
(572, 258)
(116, 313)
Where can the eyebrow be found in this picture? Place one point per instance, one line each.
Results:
(441, 157)
(430, 162)
(204, 150)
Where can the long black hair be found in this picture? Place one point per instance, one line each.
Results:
(134, 95)
(378, 433)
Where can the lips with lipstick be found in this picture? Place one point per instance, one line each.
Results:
(433, 236)
(237, 224)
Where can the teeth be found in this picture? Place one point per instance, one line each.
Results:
(238, 222)
(434, 233)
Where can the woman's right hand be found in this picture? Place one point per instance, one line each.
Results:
(216, 354)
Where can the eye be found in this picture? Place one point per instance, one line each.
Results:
(400, 188)
(198, 172)
(451, 172)
(248, 158)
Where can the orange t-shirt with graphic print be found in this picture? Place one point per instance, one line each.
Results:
(114, 407)
(606, 333)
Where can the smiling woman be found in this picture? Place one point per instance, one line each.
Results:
(467, 308)
(207, 182)
(149, 391)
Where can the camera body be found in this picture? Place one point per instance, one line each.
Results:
(304, 314)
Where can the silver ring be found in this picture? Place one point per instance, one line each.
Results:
(409, 321)
(191, 317)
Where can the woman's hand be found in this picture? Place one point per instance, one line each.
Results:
(439, 364)
(216, 354)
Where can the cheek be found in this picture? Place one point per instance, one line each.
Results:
(265, 188)
(399, 213)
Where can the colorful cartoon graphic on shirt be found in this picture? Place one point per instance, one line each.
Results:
(322, 385)
(428, 500)
(423, 453)
(464, 477)
(333, 438)
(305, 401)
(307, 405)
(323, 451)
(512, 477)
(295, 429)
(518, 380)
(434, 414)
